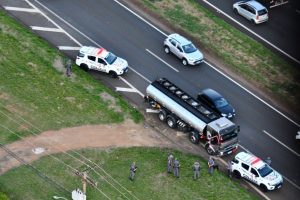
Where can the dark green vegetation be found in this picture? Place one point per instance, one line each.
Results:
(34, 89)
(243, 55)
(152, 181)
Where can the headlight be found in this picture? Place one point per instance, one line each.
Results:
(223, 114)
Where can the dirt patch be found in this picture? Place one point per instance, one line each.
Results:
(4, 96)
(58, 64)
(127, 134)
(111, 100)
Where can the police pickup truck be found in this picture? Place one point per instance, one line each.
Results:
(257, 171)
(101, 60)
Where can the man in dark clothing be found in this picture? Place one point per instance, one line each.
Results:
(133, 169)
(176, 168)
(68, 68)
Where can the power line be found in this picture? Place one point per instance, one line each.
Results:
(51, 156)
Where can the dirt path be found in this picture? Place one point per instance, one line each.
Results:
(126, 134)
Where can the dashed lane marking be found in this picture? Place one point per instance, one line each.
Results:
(31, 10)
(291, 150)
(161, 60)
(68, 48)
(39, 28)
(252, 32)
(122, 89)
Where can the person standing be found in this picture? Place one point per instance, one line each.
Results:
(268, 161)
(133, 169)
(170, 163)
(176, 168)
(196, 170)
(229, 169)
(211, 164)
(68, 67)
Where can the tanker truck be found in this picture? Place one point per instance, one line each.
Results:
(217, 134)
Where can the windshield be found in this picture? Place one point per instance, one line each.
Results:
(265, 171)
(262, 12)
(228, 133)
(189, 48)
(110, 58)
(221, 103)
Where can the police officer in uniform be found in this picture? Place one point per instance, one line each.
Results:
(176, 168)
(68, 67)
(196, 170)
(133, 169)
(170, 163)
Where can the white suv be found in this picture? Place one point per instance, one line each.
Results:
(101, 60)
(257, 171)
(183, 49)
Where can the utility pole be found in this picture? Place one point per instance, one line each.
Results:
(77, 194)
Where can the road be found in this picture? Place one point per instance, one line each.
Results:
(105, 23)
(281, 30)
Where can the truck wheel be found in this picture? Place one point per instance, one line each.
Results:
(171, 121)
(209, 150)
(167, 49)
(113, 74)
(162, 115)
(237, 174)
(194, 137)
(184, 62)
(84, 67)
(263, 188)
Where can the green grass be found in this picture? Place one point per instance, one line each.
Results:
(243, 55)
(151, 181)
(33, 87)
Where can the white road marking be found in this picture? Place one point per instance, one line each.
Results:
(129, 84)
(122, 89)
(252, 32)
(31, 10)
(39, 28)
(271, 136)
(48, 18)
(148, 110)
(161, 60)
(254, 95)
(147, 80)
(68, 48)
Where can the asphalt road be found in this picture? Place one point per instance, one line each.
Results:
(108, 24)
(282, 29)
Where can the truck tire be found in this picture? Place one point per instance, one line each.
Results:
(263, 188)
(209, 150)
(113, 74)
(237, 174)
(194, 137)
(171, 121)
(162, 115)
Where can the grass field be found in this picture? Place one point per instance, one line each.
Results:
(151, 181)
(34, 89)
(243, 55)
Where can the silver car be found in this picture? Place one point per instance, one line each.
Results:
(251, 10)
(183, 49)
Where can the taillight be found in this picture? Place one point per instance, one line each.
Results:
(257, 17)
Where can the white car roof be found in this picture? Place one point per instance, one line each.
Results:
(182, 40)
(94, 51)
(250, 159)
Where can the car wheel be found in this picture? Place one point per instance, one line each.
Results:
(113, 74)
(162, 115)
(167, 49)
(237, 174)
(184, 62)
(253, 22)
(171, 121)
(263, 188)
(194, 137)
(235, 11)
(84, 67)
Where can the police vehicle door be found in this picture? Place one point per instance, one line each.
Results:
(254, 175)
(101, 65)
(92, 62)
(245, 171)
